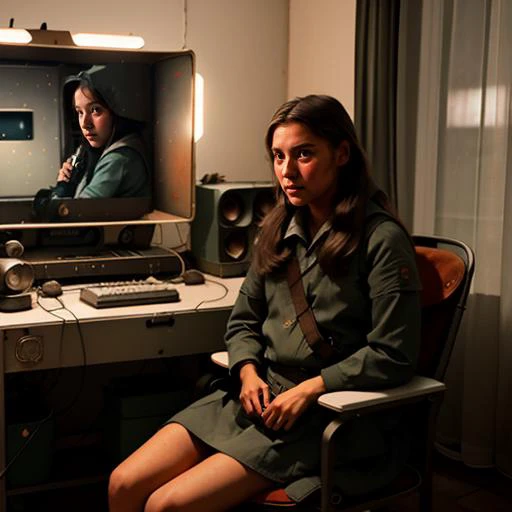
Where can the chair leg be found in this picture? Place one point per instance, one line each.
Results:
(328, 461)
(426, 487)
(425, 492)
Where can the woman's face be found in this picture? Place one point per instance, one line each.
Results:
(96, 121)
(306, 166)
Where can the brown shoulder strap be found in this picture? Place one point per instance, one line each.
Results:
(304, 313)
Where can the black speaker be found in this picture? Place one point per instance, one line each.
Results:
(226, 223)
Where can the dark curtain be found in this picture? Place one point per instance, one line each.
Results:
(387, 69)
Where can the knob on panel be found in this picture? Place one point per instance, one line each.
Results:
(29, 349)
(231, 207)
(236, 245)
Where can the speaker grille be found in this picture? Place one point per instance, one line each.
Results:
(231, 207)
(236, 244)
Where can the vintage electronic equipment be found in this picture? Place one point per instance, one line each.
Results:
(226, 224)
(40, 131)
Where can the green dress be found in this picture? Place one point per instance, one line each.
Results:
(372, 315)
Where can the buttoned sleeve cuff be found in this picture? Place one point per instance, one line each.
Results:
(234, 370)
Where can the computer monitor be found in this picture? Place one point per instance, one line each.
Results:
(38, 131)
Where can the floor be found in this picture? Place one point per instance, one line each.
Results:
(457, 488)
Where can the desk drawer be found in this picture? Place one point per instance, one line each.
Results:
(114, 340)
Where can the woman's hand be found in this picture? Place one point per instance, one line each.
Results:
(286, 408)
(254, 392)
(65, 171)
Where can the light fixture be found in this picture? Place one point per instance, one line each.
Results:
(199, 107)
(15, 35)
(43, 36)
(107, 40)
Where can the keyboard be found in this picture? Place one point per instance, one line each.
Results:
(128, 293)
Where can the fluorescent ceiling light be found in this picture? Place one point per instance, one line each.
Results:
(15, 35)
(108, 40)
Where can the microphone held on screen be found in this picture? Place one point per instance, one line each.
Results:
(68, 188)
(77, 156)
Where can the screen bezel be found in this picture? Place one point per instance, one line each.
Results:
(168, 204)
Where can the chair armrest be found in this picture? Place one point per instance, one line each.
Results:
(344, 401)
(221, 359)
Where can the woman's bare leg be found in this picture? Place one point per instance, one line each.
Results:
(168, 453)
(215, 484)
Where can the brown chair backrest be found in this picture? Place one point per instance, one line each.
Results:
(442, 274)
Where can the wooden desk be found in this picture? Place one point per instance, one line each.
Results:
(40, 340)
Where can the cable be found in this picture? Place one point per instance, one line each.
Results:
(62, 326)
(75, 399)
(68, 407)
(28, 440)
(226, 291)
(183, 243)
(61, 337)
(182, 261)
(159, 238)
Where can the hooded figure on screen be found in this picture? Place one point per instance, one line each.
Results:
(110, 160)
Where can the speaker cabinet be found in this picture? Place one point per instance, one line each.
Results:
(225, 225)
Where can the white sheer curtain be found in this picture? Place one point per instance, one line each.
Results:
(463, 189)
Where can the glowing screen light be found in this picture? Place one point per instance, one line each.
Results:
(199, 108)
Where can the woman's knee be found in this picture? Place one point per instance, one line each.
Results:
(122, 482)
(168, 500)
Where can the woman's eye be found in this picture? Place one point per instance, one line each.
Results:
(305, 153)
(96, 109)
(278, 156)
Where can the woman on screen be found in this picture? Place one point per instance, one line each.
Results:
(110, 160)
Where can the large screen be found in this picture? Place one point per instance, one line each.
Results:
(40, 129)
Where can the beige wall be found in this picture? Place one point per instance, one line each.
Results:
(242, 51)
(322, 49)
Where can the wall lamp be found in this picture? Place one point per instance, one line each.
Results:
(64, 38)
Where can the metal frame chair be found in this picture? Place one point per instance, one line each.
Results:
(446, 269)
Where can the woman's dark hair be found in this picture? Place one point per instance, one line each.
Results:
(326, 118)
(121, 126)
